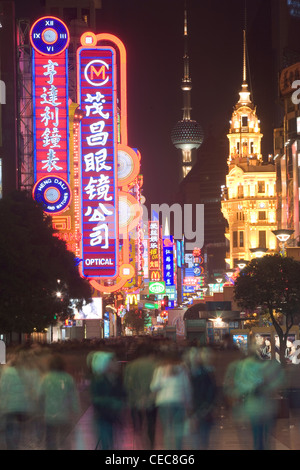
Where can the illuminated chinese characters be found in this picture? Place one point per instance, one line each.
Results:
(99, 210)
(50, 114)
(154, 263)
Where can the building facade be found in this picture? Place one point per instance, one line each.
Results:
(287, 152)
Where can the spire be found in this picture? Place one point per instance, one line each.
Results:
(244, 93)
(244, 58)
(244, 44)
(186, 84)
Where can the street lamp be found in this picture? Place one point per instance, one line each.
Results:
(230, 273)
(283, 235)
(241, 264)
(219, 280)
(258, 252)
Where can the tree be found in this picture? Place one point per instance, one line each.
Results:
(135, 319)
(272, 282)
(38, 275)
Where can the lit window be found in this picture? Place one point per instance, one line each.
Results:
(241, 239)
(262, 243)
(234, 239)
(244, 121)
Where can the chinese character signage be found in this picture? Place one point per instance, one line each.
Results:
(168, 261)
(98, 165)
(49, 38)
(154, 262)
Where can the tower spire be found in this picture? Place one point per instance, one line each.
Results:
(244, 93)
(187, 135)
(244, 58)
(186, 84)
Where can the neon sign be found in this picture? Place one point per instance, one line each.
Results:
(49, 38)
(168, 261)
(98, 162)
(154, 263)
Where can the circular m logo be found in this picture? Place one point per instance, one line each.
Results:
(95, 72)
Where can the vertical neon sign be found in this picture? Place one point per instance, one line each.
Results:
(49, 38)
(154, 262)
(168, 261)
(98, 161)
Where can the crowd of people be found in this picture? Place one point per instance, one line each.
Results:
(161, 384)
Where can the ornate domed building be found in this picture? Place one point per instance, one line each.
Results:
(249, 196)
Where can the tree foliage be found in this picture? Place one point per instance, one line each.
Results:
(135, 319)
(272, 283)
(34, 266)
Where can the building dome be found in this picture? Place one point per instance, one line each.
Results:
(187, 135)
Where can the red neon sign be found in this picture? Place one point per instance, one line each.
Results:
(49, 38)
(154, 257)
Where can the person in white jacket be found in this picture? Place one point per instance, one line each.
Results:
(172, 387)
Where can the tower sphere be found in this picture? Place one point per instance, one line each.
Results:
(187, 135)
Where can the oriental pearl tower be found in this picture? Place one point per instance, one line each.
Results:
(187, 135)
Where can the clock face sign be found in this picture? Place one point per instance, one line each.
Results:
(53, 193)
(128, 165)
(49, 36)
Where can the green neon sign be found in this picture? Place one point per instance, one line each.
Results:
(150, 306)
(158, 287)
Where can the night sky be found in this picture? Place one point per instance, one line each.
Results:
(152, 32)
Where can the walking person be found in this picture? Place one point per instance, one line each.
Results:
(256, 382)
(204, 395)
(59, 403)
(141, 400)
(172, 387)
(14, 401)
(108, 397)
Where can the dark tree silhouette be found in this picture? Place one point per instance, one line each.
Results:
(272, 282)
(34, 267)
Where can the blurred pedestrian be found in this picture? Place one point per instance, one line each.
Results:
(172, 387)
(108, 397)
(141, 400)
(256, 383)
(14, 401)
(31, 375)
(204, 395)
(59, 403)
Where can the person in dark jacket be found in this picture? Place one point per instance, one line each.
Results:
(108, 397)
(204, 395)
